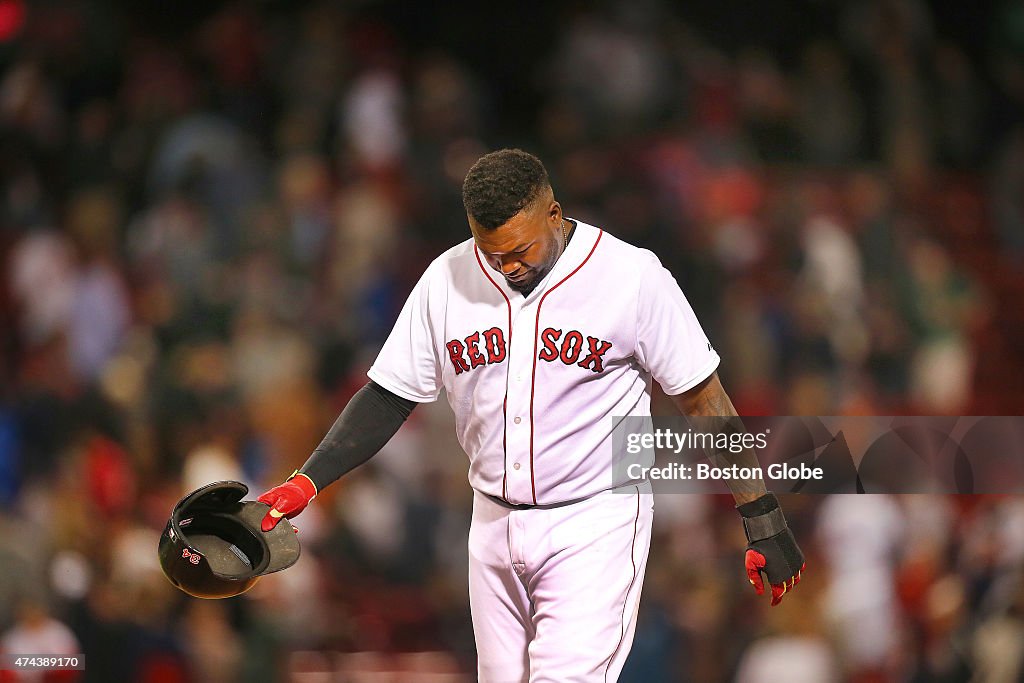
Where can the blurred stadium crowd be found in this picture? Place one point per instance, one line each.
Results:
(210, 216)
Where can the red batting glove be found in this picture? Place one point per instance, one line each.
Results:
(756, 563)
(288, 499)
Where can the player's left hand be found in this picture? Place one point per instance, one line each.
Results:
(756, 563)
(772, 550)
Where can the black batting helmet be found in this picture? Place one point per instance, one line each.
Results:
(213, 547)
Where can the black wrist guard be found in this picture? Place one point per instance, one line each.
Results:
(768, 534)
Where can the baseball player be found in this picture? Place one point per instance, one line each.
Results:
(541, 328)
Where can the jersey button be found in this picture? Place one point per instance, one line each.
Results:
(516, 466)
(518, 420)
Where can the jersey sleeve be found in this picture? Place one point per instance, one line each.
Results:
(408, 364)
(670, 343)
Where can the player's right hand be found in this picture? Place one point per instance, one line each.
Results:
(287, 500)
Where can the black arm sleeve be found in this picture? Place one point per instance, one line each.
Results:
(368, 422)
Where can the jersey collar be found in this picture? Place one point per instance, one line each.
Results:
(576, 252)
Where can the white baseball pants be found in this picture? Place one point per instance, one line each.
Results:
(554, 591)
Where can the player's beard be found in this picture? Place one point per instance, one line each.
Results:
(537, 274)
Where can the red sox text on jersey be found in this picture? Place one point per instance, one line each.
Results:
(488, 348)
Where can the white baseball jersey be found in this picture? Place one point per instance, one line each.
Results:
(535, 381)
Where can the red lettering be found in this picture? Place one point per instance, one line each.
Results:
(571, 347)
(549, 337)
(495, 342)
(455, 350)
(597, 349)
(476, 359)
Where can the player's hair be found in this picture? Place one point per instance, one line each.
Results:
(501, 184)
